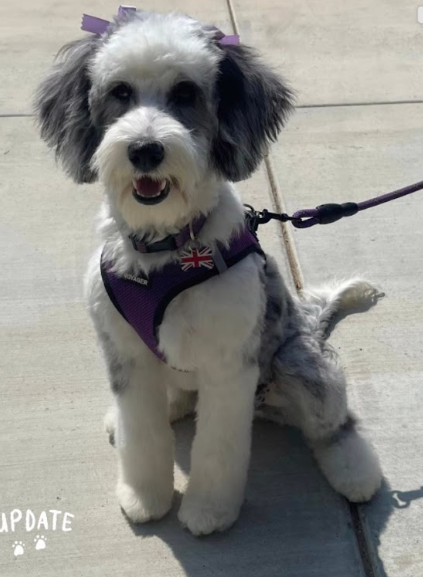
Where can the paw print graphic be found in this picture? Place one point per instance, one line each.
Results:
(40, 542)
(18, 548)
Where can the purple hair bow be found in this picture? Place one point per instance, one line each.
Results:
(100, 26)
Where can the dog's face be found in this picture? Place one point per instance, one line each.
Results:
(158, 109)
(153, 87)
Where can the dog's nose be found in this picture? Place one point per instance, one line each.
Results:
(146, 156)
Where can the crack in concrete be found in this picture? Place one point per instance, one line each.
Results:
(364, 547)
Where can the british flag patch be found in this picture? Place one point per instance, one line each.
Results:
(196, 258)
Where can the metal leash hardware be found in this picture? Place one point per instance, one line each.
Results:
(326, 213)
(256, 217)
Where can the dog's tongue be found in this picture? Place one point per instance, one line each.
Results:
(148, 187)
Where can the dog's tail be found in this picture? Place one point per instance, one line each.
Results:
(327, 305)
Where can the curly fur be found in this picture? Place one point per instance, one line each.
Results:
(233, 331)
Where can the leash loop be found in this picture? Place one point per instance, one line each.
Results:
(324, 214)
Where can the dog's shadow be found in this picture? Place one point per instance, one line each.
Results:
(292, 523)
(379, 511)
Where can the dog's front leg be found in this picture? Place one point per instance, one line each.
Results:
(144, 441)
(221, 449)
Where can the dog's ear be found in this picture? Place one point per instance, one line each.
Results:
(62, 109)
(253, 104)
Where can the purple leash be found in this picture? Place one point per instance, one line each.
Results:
(328, 213)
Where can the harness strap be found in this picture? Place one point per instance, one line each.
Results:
(142, 301)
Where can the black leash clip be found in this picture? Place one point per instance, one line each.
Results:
(257, 217)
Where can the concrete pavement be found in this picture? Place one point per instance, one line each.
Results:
(342, 59)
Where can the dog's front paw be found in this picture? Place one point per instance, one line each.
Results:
(144, 506)
(203, 518)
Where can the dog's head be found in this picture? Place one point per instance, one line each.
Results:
(158, 108)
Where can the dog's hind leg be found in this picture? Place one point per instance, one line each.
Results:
(309, 392)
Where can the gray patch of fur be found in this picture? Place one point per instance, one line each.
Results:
(277, 299)
(253, 104)
(199, 117)
(118, 371)
(105, 109)
(294, 350)
(62, 109)
(119, 376)
(343, 431)
(307, 387)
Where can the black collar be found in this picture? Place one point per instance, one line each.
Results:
(171, 242)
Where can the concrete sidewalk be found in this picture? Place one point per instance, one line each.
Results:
(358, 132)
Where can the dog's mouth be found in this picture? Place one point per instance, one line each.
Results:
(146, 190)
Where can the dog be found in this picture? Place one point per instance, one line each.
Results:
(167, 115)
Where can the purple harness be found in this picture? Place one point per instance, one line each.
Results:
(142, 301)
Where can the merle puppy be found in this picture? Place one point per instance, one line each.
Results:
(167, 113)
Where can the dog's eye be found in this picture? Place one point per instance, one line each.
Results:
(184, 93)
(122, 92)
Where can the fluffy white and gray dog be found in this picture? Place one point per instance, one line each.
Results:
(167, 117)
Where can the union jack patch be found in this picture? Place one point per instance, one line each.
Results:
(196, 258)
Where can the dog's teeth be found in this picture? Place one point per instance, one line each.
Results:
(149, 188)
